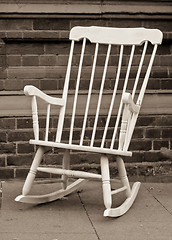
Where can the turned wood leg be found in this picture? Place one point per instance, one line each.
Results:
(123, 175)
(31, 175)
(106, 181)
(65, 165)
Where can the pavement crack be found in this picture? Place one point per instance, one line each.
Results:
(88, 217)
(158, 200)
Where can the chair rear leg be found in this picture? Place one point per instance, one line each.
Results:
(106, 181)
(65, 165)
(123, 175)
(33, 170)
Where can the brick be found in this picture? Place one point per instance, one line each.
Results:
(3, 73)
(3, 61)
(41, 35)
(151, 156)
(25, 148)
(47, 60)
(164, 49)
(34, 82)
(166, 84)
(7, 123)
(17, 24)
(51, 24)
(14, 60)
(14, 136)
(64, 35)
(53, 159)
(164, 121)
(159, 72)
(21, 173)
(146, 121)
(154, 84)
(153, 133)
(14, 34)
(48, 84)
(20, 160)
(145, 145)
(6, 173)
(62, 60)
(138, 133)
(161, 24)
(2, 161)
(26, 73)
(7, 148)
(57, 48)
(166, 60)
(167, 133)
(24, 48)
(2, 83)
(3, 137)
(158, 144)
(24, 123)
(13, 84)
(30, 60)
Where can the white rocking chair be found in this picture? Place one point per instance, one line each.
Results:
(121, 101)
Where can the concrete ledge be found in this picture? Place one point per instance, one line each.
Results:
(84, 7)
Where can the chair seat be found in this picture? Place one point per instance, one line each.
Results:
(81, 148)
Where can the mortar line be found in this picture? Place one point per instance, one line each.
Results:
(88, 217)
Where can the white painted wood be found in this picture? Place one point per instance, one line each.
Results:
(139, 69)
(123, 91)
(125, 107)
(89, 94)
(38, 199)
(65, 165)
(70, 173)
(124, 125)
(100, 95)
(119, 211)
(123, 175)
(127, 99)
(107, 197)
(47, 122)
(144, 85)
(64, 97)
(81, 148)
(35, 118)
(118, 190)
(30, 90)
(77, 89)
(33, 170)
(113, 96)
(125, 36)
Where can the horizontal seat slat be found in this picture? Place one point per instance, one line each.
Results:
(81, 148)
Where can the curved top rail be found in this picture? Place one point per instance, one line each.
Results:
(121, 36)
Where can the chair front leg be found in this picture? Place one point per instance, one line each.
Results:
(33, 170)
(123, 175)
(106, 181)
(65, 165)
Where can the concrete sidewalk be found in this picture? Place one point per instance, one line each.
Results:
(80, 215)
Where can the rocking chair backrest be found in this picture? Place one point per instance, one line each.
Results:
(129, 75)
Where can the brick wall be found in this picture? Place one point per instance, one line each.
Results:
(34, 50)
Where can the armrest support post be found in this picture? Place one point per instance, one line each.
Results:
(35, 118)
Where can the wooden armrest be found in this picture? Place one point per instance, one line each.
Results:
(30, 90)
(127, 99)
